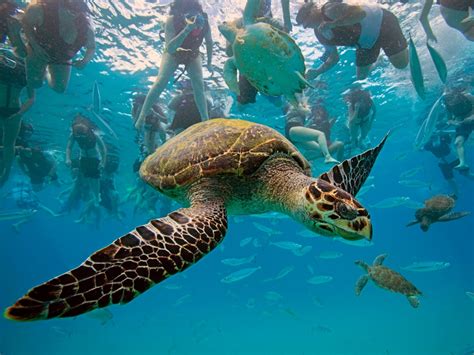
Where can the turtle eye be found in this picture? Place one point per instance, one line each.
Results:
(346, 211)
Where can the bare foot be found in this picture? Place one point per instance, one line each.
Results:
(462, 166)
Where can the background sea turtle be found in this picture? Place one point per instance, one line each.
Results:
(269, 58)
(437, 209)
(215, 168)
(387, 279)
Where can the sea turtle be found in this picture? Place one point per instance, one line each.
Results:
(268, 57)
(437, 209)
(387, 279)
(215, 168)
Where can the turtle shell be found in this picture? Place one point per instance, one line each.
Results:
(438, 206)
(393, 281)
(269, 59)
(215, 147)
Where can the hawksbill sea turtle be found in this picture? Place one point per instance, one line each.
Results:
(436, 209)
(387, 279)
(268, 57)
(215, 168)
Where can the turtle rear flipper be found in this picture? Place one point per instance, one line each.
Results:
(453, 215)
(414, 301)
(129, 266)
(412, 223)
(360, 284)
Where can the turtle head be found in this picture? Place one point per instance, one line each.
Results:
(229, 30)
(331, 211)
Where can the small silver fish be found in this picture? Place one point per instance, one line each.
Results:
(364, 190)
(287, 245)
(283, 272)
(410, 173)
(392, 202)
(470, 295)
(426, 266)
(416, 184)
(302, 251)
(330, 255)
(273, 296)
(307, 234)
(245, 241)
(238, 261)
(319, 279)
(103, 315)
(240, 275)
(266, 229)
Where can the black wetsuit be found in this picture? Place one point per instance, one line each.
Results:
(13, 75)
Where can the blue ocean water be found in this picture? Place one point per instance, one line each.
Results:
(194, 312)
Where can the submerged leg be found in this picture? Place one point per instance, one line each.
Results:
(129, 266)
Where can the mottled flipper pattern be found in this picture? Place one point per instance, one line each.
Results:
(351, 174)
(452, 216)
(129, 266)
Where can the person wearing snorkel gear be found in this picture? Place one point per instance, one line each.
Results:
(12, 82)
(258, 11)
(369, 28)
(185, 30)
(361, 115)
(38, 165)
(10, 27)
(312, 140)
(456, 15)
(56, 30)
(460, 111)
(92, 159)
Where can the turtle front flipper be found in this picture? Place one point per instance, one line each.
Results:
(412, 223)
(360, 284)
(414, 301)
(230, 76)
(379, 259)
(453, 215)
(351, 174)
(129, 266)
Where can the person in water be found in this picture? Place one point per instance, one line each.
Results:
(39, 166)
(12, 82)
(460, 110)
(257, 11)
(456, 15)
(55, 31)
(369, 28)
(361, 114)
(185, 110)
(440, 146)
(185, 29)
(155, 122)
(312, 140)
(92, 159)
(109, 197)
(10, 27)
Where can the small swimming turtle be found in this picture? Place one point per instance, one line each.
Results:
(387, 279)
(215, 168)
(437, 209)
(268, 57)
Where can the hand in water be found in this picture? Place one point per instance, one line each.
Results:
(79, 64)
(140, 123)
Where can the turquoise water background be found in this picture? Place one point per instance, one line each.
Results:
(194, 312)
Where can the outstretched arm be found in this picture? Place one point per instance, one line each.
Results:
(90, 49)
(174, 40)
(331, 58)
(209, 45)
(70, 144)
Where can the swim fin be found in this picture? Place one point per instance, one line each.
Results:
(415, 70)
(438, 62)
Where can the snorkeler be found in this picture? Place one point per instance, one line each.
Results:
(155, 122)
(456, 15)
(186, 28)
(361, 114)
(310, 139)
(460, 110)
(440, 146)
(10, 27)
(369, 28)
(12, 82)
(39, 166)
(93, 157)
(109, 197)
(257, 11)
(56, 31)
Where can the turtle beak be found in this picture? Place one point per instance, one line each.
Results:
(356, 229)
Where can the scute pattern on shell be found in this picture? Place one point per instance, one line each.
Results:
(215, 147)
(392, 280)
(440, 203)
